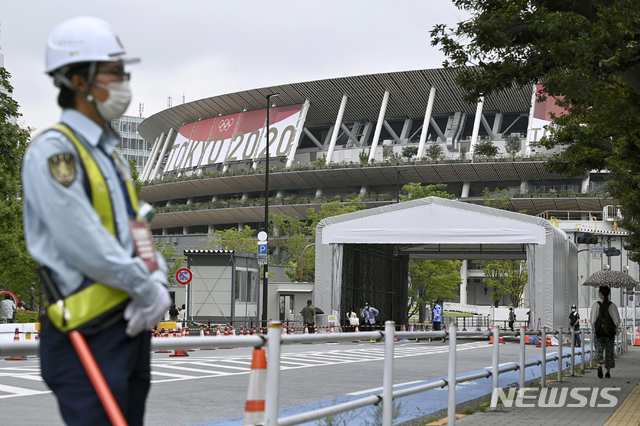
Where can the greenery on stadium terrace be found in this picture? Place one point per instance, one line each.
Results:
(587, 55)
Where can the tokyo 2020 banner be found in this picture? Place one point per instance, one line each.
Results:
(234, 137)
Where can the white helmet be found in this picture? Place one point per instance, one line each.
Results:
(83, 39)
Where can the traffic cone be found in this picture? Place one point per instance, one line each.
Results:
(491, 334)
(201, 332)
(179, 353)
(306, 329)
(261, 333)
(246, 331)
(207, 334)
(284, 328)
(331, 331)
(218, 332)
(357, 331)
(16, 338)
(257, 391)
(163, 333)
(637, 338)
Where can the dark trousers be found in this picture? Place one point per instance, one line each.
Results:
(368, 327)
(578, 341)
(124, 362)
(437, 325)
(311, 326)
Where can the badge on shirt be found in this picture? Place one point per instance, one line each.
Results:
(63, 168)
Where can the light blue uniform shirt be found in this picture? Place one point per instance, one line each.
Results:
(369, 315)
(437, 313)
(62, 229)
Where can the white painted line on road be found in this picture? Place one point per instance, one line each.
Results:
(218, 365)
(29, 377)
(195, 370)
(16, 391)
(178, 376)
(378, 389)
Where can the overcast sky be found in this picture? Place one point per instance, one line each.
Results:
(207, 48)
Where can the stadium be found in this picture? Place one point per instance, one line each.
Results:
(364, 136)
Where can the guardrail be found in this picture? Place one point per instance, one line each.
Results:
(275, 339)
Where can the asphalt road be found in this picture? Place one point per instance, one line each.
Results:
(211, 386)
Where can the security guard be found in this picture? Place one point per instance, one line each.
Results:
(83, 225)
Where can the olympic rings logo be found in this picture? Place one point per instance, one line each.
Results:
(225, 124)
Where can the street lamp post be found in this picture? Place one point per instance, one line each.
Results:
(265, 278)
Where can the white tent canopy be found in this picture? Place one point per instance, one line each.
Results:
(436, 228)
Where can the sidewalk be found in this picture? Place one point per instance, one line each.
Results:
(625, 376)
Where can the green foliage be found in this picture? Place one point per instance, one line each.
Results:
(463, 153)
(505, 278)
(24, 316)
(363, 156)
(433, 151)
(232, 239)
(321, 162)
(375, 414)
(416, 191)
(512, 144)
(409, 151)
(485, 148)
(333, 208)
(291, 237)
(498, 199)
(16, 266)
(586, 54)
(432, 279)
(135, 176)
(174, 260)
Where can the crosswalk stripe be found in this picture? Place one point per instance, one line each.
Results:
(195, 370)
(218, 365)
(16, 391)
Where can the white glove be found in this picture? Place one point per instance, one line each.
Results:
(143, 318)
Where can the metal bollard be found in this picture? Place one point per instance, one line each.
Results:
(496, 358)
(583, 354)
(572, 336)
(274, 338)
(560, 337)
(543, 365)
(451, 380)
(387, 381)
(522, 355)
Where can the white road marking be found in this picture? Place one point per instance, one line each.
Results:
(218, 365)
(378, 389)
(195, 370)
(16, 391)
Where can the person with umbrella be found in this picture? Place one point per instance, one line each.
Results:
(605, 319)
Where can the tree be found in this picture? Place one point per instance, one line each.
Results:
(416, 191)
(512, 144)
(431, 279)
(498, 199)
(232, 239)
(505, 278)
(587, 55)
(485, 148)
(291, 236)
(174, 260)
(409, 151)
(433, 151)
(135, 176)
(16, 265)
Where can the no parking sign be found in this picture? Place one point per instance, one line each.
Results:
(184, 276)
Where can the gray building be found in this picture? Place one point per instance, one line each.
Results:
(132, 145)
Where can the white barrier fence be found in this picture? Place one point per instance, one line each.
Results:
(275, 339)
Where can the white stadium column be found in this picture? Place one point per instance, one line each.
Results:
(465, 189)
(149, 165)
(336, 128)
(425, 123)
(379, 124)
(476, 127)
(167, 141)
(299, 131)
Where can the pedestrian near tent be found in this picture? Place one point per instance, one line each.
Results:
(353, 319)
(308, 316)
(7, 307)
(84, 224)
(574, 322)
(512, 318)
(605, 319)
(173, 313)
(369, 313)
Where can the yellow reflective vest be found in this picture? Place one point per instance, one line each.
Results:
(88, 306)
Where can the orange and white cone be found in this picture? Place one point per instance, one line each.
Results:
(201, 332)
(636, 340)
(254, 407)
(357, 331)
(218, 332)
(16, 338)
(331, 332)
(306, 329)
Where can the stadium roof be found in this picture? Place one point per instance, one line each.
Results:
(409, 93)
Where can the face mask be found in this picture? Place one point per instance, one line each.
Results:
(117, 102)
(573, 310)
